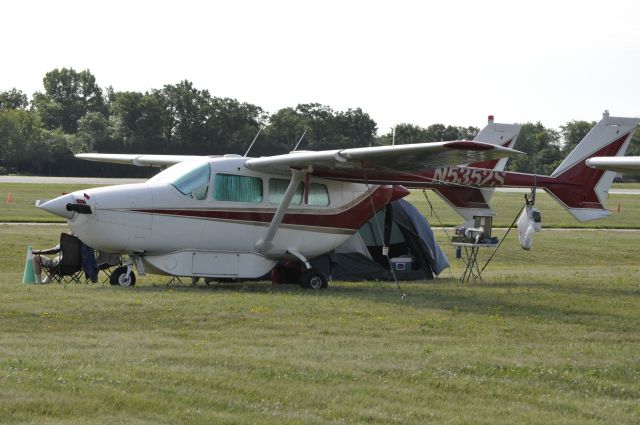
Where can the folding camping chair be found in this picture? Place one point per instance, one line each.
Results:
(106, 261)
(69, 268)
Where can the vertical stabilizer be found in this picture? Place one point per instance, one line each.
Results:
(581, 189)
(469, 201)
(497, 134)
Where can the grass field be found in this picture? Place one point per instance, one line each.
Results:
(23, 196)
(553, 337)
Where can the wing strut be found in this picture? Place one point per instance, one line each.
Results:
(265, 244)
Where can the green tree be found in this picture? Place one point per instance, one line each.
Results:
(13, 99)
(188, 111)
(151, 127)
(542, 148)
(325, 129)
(634, 145)
(20, 131)
(321, 125)
(285, 128)
(93, 130)
(68, 96)
(356, 128)
(440, 133)
(231, 126)
(125, 110)
(54, 155)
(182, 119)
(409, 133)
(198, 123)
(573, 132)
(139, 123)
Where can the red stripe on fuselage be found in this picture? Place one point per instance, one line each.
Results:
(352, 218)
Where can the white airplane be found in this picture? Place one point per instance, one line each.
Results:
(620, 164)
(236, 217)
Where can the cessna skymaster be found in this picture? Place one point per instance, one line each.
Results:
(236, 217)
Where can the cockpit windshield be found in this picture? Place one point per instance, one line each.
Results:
(191, 178)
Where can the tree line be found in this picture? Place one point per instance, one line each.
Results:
(74, 114)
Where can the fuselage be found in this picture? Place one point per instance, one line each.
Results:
(206, 217)
(218, 205)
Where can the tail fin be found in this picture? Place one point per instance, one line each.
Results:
(468, 201)
(496, 134)
(581, 189)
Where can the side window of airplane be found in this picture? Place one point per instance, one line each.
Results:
(318, 195)
(194, 183)
(277, 188)
(232, 188)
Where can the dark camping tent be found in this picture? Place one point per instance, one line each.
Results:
(413, 250)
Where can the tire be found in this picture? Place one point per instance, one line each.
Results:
(119, 277)
(313, 279)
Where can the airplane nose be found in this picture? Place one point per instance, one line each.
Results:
(58, 206)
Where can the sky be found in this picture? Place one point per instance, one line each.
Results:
(418, 62)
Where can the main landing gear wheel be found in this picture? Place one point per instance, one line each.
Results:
(313, 279)
(119, 277)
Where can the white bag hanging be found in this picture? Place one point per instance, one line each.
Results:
(526, 227)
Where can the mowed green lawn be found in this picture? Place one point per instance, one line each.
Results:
(553, 337)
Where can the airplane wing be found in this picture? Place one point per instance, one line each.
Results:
(621, 164)
(137, 159)
(403, 158)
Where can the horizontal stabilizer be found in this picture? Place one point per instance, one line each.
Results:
(580, 188)
(466, 201)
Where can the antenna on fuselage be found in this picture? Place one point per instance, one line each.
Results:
(301, 137)
(254, 140)
(393, 136)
